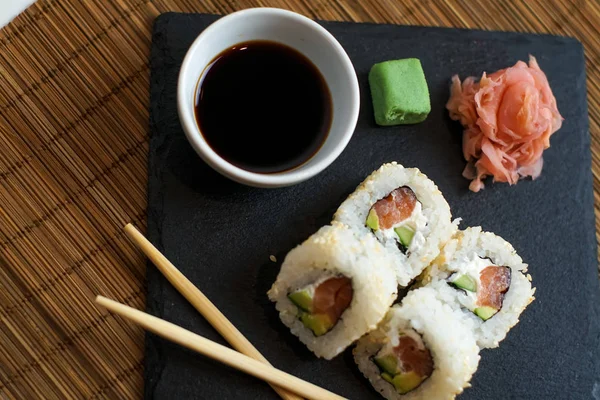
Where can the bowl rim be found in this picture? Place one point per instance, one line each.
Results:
(279, 179)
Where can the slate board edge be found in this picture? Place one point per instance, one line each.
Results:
(154, 278)
(508, 34)
(153, 359)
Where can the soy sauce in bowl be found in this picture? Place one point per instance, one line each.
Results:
(263, 107)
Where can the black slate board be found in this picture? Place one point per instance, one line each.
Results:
(220, 234)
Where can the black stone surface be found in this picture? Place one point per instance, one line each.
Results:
(220, 234)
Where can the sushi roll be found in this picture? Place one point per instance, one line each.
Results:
(334, 288)
(422, 350)
(482, 275)
(407, 214)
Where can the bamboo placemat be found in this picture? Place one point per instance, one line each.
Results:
(74, 128)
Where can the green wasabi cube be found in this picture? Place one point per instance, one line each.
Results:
(399, 92)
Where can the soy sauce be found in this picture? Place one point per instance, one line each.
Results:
(263, 107)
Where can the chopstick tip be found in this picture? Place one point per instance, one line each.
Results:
(101, 300)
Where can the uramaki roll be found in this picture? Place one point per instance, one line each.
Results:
(422, 350)
(334, 288)
(407, 214)
(481, 274)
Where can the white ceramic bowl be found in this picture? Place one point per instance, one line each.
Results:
(304, 35)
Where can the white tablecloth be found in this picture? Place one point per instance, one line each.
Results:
(11, 8)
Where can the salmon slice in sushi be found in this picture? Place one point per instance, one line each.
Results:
(334, 288)
(421, 350)
(482, 275)
(391, 216)
(485, 287)
(322, 303)
(407, 214)
(405, 361)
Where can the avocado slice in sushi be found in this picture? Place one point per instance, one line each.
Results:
(405, 234)
(406, 381)
(373, 220)
(465, 282)
(387, 377)
(320, 324)
(485, 312)
(388, 364)
(301, 299)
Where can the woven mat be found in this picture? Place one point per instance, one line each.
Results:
(74, 128)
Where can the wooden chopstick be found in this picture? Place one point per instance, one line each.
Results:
(217, 352)
(200, 302)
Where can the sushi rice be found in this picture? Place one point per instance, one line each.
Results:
(335, 251)
(449, 340)
(439, 320)
(431, 217)
(468, 251)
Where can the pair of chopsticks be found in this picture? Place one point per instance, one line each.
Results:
(251, 361)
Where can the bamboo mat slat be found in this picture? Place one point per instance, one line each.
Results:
(74, 92)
